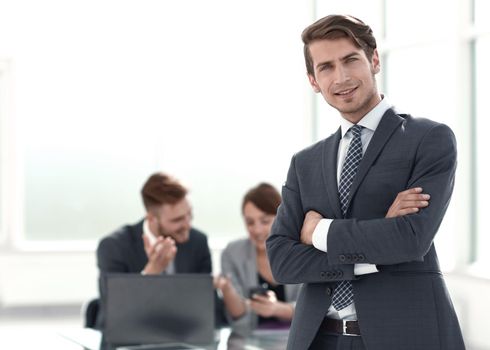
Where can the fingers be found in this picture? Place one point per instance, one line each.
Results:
(220, 282)
(408, 202)
(163, 251)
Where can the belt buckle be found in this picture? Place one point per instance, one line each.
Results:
(344, 330)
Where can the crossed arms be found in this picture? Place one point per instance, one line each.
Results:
(399, 237)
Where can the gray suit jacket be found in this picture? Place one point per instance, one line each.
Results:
(406, 305)
(238, 261)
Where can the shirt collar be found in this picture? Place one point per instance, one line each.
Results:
(371, 120)
(147, 232)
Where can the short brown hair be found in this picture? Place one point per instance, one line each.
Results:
(161, 189)
(334, 27)
(265, 197)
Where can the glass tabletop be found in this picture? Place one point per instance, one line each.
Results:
(225, 339)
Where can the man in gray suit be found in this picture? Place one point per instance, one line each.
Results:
(354, 225)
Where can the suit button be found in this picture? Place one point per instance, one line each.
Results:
(361, 257)
(355, 258)
(342, 257)
(329, 275)
(328, 291)
(340, 274)
(322, 274)
(348, 258)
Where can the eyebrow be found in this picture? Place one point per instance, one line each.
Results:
(327, 63)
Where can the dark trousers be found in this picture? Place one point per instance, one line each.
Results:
(327, 341)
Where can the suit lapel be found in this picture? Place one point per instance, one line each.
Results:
(330, 152)
(389, 122)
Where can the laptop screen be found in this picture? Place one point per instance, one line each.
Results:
(158, 309)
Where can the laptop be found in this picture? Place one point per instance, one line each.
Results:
(159, 309)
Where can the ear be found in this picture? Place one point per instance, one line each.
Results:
(313, 83)
(375, 62)
(150, 216)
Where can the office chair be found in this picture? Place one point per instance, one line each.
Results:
(90, 311)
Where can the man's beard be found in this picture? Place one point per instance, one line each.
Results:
(179, 236)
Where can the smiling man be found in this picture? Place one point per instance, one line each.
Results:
(163, 242)
(354, 225)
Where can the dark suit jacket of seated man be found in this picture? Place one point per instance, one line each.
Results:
(163, 242)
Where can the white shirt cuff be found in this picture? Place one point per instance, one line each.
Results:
(319, 237)
(363, 269)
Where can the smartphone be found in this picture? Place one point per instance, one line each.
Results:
(259, 290)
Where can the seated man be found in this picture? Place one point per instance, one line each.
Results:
(163, 242)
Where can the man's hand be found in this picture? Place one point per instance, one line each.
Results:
(159, 254)
(312, 218)
(408, 202)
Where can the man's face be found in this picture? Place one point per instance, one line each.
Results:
(172, 220)
(345, 77)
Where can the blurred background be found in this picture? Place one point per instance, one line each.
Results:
(95, 95)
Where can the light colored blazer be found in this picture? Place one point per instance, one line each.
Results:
(404, 306)
(238, 262)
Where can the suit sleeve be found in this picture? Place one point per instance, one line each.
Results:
(291, 261)
(110, 256)
(406, 238)
(230, 266)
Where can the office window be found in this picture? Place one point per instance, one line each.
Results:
(368, 11)
(409, 21)
(413, 75)
(482, 70)
(2, 149)
(190, 88)
(417, 81)
(481, 11)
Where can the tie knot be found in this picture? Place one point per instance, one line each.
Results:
(356, 130)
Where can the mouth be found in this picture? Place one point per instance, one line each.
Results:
(346, 93)
(260, 239)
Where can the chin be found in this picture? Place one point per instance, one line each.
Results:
(182, 238)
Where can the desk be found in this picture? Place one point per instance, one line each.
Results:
(89, 339)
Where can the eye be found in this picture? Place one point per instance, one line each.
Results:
(324, 68)
(266, 221)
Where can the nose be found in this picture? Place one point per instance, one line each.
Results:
(257, 230)
(340, 74)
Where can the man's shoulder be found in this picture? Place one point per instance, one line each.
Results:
(420, 122)
(196, 235)
(317, 148)
(123, 234)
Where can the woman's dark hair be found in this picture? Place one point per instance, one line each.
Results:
(265, 197)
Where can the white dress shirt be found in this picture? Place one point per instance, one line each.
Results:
(370, 122)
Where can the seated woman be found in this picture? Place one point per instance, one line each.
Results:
(251, 296)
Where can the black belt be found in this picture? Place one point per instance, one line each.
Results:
(341, 327)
